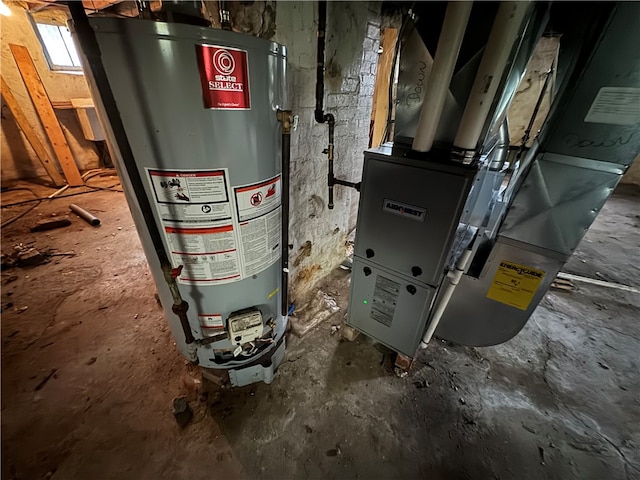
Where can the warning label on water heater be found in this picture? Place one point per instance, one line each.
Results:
(217, 237)
(258, 199)
(190, 196)
(224, 74)
(208, 255)
(259, 214)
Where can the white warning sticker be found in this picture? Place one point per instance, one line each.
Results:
(615, 106)
(260, 239)
(211, 323)
(217, 237)
(257, 199)
(191, 196)
(208, 255)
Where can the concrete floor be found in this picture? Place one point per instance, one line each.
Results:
(560, 401)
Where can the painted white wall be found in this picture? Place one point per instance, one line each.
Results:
(353, 30)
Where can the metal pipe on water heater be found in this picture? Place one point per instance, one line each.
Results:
(95, 72)
(506, 28)
(448, 49)
(285, 119)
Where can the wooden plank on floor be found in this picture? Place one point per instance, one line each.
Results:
(381, 89)
(599, 283)
(31, 135)
(47, 115)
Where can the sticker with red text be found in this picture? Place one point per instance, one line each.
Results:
(191, 196)
(224, 75)
(208, 255)
(257, 199)
(211, 324)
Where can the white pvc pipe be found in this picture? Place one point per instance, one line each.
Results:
(505, 31)
(453, 28)
(454, 277)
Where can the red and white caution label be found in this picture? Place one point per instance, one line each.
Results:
(217, 237)
(224, 74)
(191, 196)
(209, 255)
(211, 324)
(258, 199)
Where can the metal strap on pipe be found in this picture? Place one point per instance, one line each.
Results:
(453, 28)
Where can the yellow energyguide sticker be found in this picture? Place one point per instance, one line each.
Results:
(515, 284)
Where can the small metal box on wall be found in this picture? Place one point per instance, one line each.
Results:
(407, 219)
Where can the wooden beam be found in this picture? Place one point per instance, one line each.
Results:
(30, 133)
(381, 89)
(62, 105)
(98, 4)
(45, 111)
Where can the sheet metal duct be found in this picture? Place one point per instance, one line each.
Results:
(587, 143)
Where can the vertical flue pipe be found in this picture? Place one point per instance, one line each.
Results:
(504, 33)
(286, 119)
(453, 28)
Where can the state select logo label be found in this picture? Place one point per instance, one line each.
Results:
(224, 74)
(409, 211)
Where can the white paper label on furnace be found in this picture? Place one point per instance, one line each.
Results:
(615, 106)
(209, 255)
(258, 199)
(191, 196)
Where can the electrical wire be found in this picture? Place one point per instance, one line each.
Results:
(22, 214)
(37, 200)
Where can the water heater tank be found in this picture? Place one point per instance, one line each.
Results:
(198, 106)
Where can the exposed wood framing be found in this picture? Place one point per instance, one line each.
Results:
(381, 89)
(46, 113)
(31, 135)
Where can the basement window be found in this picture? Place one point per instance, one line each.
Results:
(58, 47)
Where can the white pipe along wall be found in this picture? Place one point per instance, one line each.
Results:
(453, 28)
(505, 31)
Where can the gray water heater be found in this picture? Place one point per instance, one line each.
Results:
(198, 106)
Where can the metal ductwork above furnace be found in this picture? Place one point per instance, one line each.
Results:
(456, 236)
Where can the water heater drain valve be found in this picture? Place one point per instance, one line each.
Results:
(245, 326)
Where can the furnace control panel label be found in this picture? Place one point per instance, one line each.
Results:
(224, 74)
(515, 284)
(385, 298)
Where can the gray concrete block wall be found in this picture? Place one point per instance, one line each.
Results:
(352, 42)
